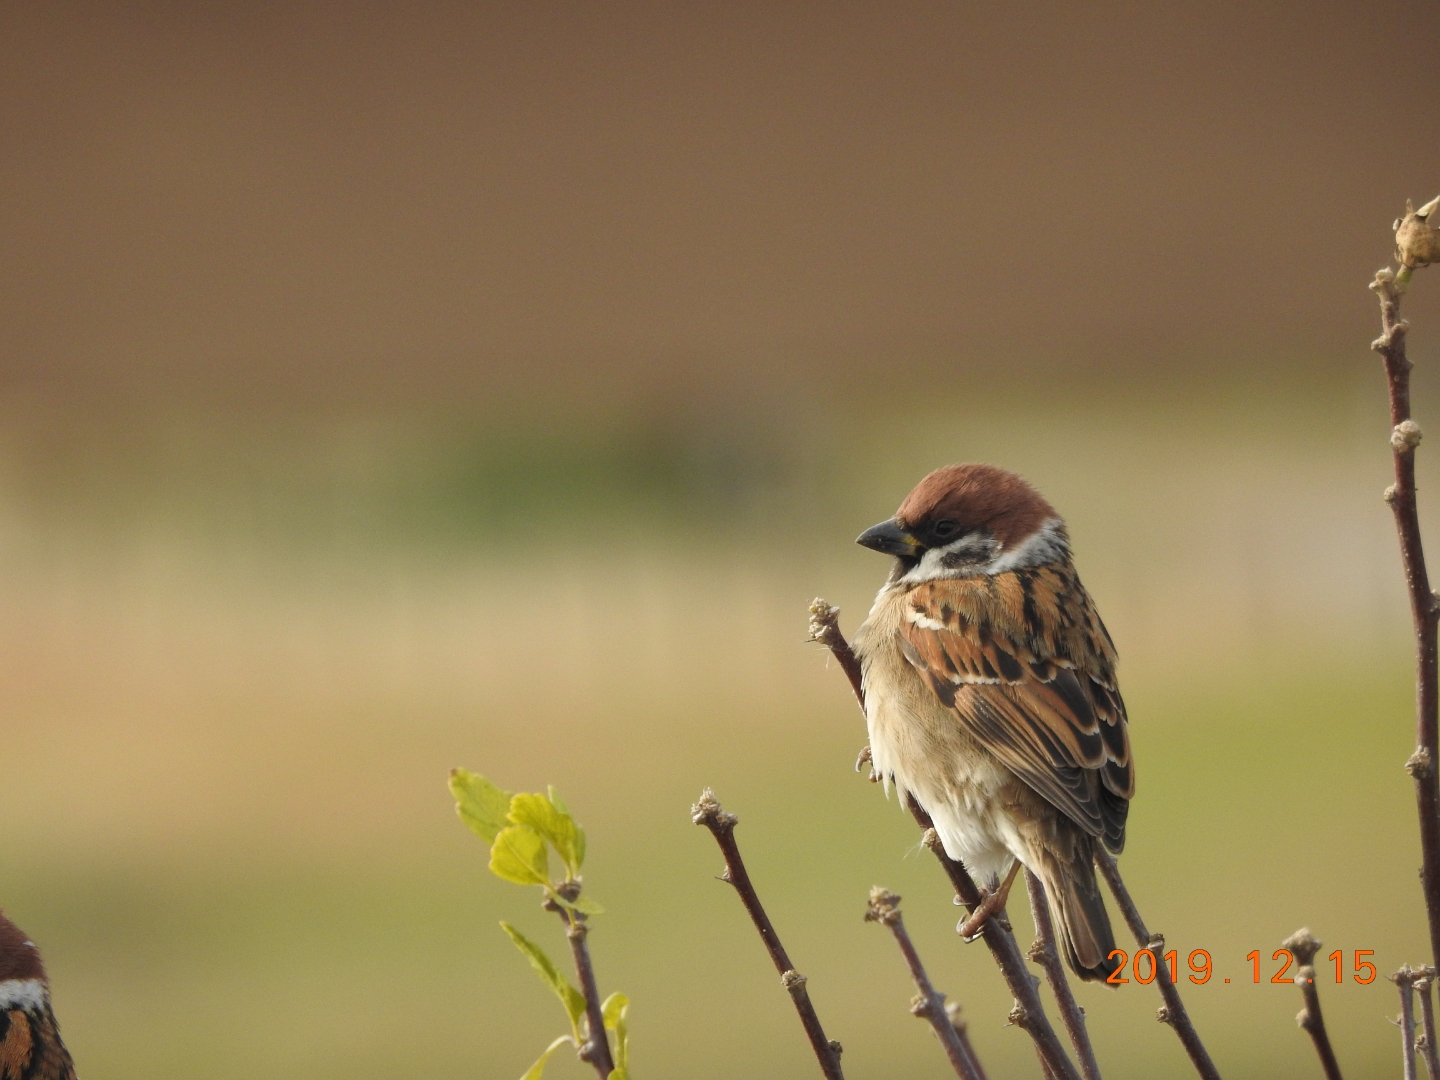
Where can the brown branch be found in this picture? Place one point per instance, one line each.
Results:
(1044, 953)
(929, 1003)
(1029, 1011)
(707, 812)
(595, 1050)
(1303, 947)
(1404, 438)
(1173, 1011)
(1405, 980)
(825, 628)
(1426, 1041)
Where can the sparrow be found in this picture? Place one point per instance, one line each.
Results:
(990, 696)
(30, 1045)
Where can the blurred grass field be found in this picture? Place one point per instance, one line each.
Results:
(240, 655)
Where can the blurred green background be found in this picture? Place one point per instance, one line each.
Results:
(391, 387)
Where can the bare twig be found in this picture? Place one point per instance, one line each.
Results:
(707, 812)
(929, 1003)
(1426, 1041)
(1405, 980)
(1044, 953)
(1424, 611)
(1029, 1011)
(825, 628)
(1303, 947)
(1173, 1011)
(596, 1048)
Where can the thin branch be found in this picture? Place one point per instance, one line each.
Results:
(1173, 1011)
(707, 812)
(825, 628)
(1405, 980)
(929, 1003)
(1029, 1011)
(962, 1030)
(1404, 438)
(596, 1048)
(1044, 953)
(1303, 947)
(1426, 1041)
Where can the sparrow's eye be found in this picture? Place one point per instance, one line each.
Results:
(946, 529)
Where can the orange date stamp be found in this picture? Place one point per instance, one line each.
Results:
(1144, 966)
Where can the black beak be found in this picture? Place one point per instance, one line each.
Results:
(891, 539)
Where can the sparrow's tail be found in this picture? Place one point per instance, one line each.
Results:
(1081, 923)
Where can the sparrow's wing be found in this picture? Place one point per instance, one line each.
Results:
(30, 1046)
(1024, 662)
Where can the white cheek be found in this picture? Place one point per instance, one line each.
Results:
(1046, 544)
(21, 994)
(932, 563)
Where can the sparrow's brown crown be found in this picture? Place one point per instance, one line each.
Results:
(19, 958)
(976, 497)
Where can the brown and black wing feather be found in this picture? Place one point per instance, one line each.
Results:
(31, 1048)
(1028, 668)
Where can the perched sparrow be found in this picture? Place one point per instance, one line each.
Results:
(30, 1046)
(990, 695)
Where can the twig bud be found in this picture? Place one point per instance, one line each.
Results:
(1405, 437)
(707, 812)
(1162, 1014)
(1419, 764)
(1417, 241)
(1390, 493)
(1303, 945)
(884, 907)
(1406, 976)
(792, 980)
(824, 620)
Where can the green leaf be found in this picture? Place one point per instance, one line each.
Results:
(533, 1073)
(540, 814)
(555, 799)
(518, 855)
(481, 805)
(582, 904)
(572, 999)
(613, 1011)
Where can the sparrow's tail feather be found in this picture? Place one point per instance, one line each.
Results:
(1081, 922)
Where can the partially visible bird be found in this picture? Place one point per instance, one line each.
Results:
(30, 1045)
(990, 695)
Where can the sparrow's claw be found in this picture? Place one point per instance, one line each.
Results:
(992, 904)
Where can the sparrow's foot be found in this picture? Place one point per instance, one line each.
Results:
(991, 904)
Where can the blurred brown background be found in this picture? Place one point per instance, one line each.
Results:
(390, 387)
